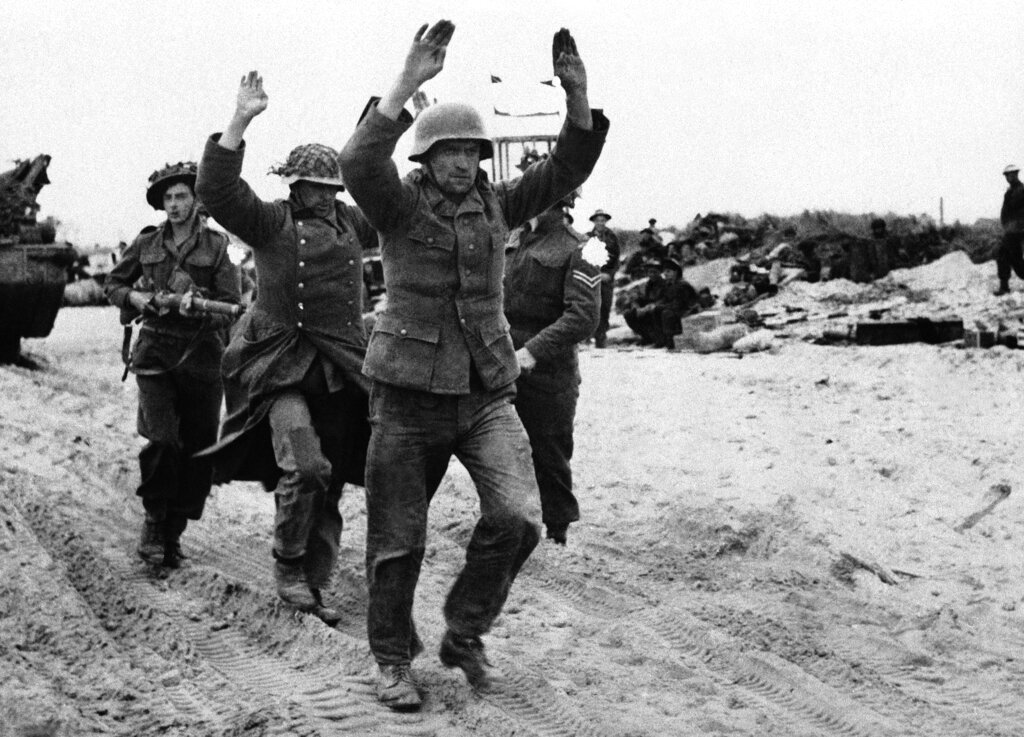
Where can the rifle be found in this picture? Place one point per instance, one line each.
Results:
(186, 304)
(190, 304)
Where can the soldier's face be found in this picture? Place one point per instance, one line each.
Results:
(454, 165)
(178, 202)
(1012, 177)
(599, 223)
(314, 194)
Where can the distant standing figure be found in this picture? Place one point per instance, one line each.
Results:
(1009, 257)
(602, 232)
(176, 360)
(552, 302)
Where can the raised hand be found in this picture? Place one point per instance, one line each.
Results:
(426, 55)
(251, 100)
(568, 66)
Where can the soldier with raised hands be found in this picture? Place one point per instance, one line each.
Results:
(441, 358)
(300, 424)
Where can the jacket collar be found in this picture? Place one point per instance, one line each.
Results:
(301, 212)
(184, 248)
(441, 205)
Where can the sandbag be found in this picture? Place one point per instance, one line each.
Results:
(759, 340)
(719, 339)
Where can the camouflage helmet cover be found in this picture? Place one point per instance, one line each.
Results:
(311, 162)
(449, 121)
(184, 172)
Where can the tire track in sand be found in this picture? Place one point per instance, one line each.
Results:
(797, 700)
(135, 610)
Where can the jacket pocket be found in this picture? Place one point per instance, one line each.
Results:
(152, 255)
(497, 365)
(402, 351)
(432, 234)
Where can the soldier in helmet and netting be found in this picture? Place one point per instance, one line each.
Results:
(176, 359)
(297, 355)
(441, 357)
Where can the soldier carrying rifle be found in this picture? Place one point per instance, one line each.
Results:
(176, 360)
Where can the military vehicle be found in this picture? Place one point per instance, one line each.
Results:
(33, 268)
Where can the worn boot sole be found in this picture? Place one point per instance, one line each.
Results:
(326, 614)
(399, 695)
(154, 557)
(403, 702)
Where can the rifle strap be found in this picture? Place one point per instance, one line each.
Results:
(193, 344)
(126, 350)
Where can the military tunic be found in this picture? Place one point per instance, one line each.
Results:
(552, 302)
(444, 368)
(308, 310)
(176, 360)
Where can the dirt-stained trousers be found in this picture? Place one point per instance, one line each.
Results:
(414, 435)
(307, 522)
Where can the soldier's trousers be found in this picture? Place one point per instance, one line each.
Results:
(548, 418)
(1010, 257)
(307, 521)
(607, 296)
(178, 415)
(414, 435)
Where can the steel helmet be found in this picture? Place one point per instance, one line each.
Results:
(599, 213)
(448, 121)
(161, 179)
(311, 162)
(1011, 167)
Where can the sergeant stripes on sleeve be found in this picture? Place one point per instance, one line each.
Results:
(590, 281)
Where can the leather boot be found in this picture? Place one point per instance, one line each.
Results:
(466, 653)
(396, 688)
(292, 586)
(173, 527)
(151, 544)
(326, 611)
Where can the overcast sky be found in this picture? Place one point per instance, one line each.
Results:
(745, 107)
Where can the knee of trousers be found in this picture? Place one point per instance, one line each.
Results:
(405, 564)
(309, 471)
(521, 523)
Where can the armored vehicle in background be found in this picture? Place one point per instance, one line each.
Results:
(33, 268)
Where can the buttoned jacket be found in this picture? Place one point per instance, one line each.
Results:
(443, 261)
(309, 272)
